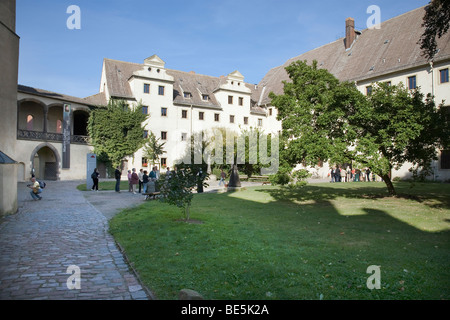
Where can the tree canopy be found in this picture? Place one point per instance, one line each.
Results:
(436, 22)
(116, 130)
(324, 119)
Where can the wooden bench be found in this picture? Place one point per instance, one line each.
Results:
(149, 195)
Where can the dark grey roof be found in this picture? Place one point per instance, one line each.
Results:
(119, 72)
(54, 95)
(375, 52)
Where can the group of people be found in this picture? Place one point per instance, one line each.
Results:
(338, 174)
(135, 180)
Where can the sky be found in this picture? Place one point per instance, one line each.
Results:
(211, 37)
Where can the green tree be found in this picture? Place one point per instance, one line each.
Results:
(116, 130)
(153, 149)
(436, 22)
(177, 188)
(325, 119)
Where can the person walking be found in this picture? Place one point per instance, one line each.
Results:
(145, 180)
(333, 171)
(117, 175)
(134, 180)
(35, 189)
(94, 177)
(348, 174)
(140, 174)
(130, 186)
(368, 174)
(337, 174)
(223, 175)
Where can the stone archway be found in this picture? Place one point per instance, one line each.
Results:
(46, 162)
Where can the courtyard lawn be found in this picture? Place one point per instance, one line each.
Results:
(315, 242)
(106, 185)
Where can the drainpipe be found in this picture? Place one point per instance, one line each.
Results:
(432, 78)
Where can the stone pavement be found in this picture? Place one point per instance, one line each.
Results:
(45, 237)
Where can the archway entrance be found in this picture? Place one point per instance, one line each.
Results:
(45, 162)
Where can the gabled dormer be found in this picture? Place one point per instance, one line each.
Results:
(234, 82)
(153, 68)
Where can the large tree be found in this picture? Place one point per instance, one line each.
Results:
(116, 130)
(324, 119)
(436, 22)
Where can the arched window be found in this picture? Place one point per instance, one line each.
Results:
(30, 122)
(58, 126)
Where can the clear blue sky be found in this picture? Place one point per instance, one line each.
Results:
(212, 37)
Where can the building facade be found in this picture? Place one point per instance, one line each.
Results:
(180, 104)
(390, 53)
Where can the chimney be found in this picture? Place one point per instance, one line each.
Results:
(350, 34)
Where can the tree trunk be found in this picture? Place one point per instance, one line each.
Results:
(187, 212)
(389, 184)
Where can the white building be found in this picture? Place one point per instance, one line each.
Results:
(388, 54)
(181, 104)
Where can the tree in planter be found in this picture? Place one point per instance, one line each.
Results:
(325, 119)
(153, 149)
(116, 130)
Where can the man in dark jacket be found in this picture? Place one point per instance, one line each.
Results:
(117, 175)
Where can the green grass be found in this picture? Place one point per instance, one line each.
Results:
(309, 243)
(106, 185)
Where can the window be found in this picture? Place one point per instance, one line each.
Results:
(163, 135)
(270, 111)
(245, 120)
(241, 101)
(201, 115)
(216, 117)
(30, 119)
(161, 90)
(368, 90)
(145, 109)
(443, 75)
(58, 126)
(145, 134)
(412, 83)
(163, 162)
(230, 99)
(389, 83)
(144, 162)
(445, 159)
(146, 88)
(231, 119)
(183, 136)
(187, 95)
(184, 114)
(259, 122)
(205, 97)
(163, 112)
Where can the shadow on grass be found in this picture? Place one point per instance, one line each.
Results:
(295, 246)
(437, 195)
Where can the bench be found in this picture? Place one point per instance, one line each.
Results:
(149, 195)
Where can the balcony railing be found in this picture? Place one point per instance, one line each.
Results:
(50, 136)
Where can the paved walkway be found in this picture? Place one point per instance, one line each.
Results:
(40, 242)
(68, 227)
